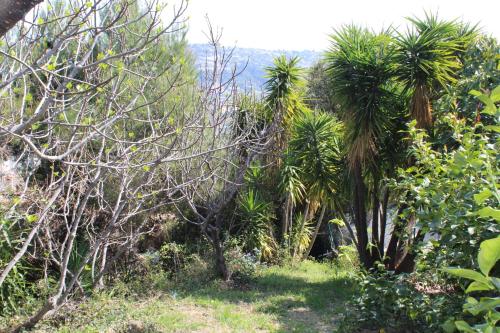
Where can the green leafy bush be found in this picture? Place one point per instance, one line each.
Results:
(172, 257)
(453, 192)
(486, 307)
(243, 265)
(395, 303)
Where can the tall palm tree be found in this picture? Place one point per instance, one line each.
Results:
(427, 60)
(361, 65)
(283, 100)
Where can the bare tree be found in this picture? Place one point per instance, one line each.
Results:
(108, 126)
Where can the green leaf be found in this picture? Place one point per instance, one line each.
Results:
(489, 254)
(31, 218)
(478, 286)
(482, 196)
(495, 94)
(494, 128)
(489, 106)
(449, 326)
(467, 274)
(464, 327)
(489, 212)
(146, 168)
(485, 304)
(496, 282)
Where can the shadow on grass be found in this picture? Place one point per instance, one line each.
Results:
(299, 303)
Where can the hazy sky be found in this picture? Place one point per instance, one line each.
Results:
(305, 24)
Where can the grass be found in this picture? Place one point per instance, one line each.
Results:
(308, 297)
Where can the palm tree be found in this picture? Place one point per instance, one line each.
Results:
(427, 60)
(283, 101)
(361, 65)
(315, 153)
(282, 95)
(293, 189)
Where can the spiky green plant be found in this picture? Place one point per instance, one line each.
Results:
(427, 59)
(301, 235)
(315, 147)
(361, 66)
(313, 163)
(257, 216)
(283, 97)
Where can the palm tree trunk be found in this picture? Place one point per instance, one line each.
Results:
(360, 216)
(383, 223)
(375, 220)
(285, 218)
(316, 231)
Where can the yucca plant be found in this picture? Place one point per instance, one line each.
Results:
(293, 190)
(361, 65)
(301, 235)
(257, 217)
(283, 98)
(426, 60)
(315, 148)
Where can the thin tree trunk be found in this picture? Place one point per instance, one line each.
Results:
(375, 221)
(349, 228)
(407, 263)
(360, 216)
(100, 281)
(220, 260)
(285, 219)
(316, 231)
(28, 240)
(383, 223)
(391, 253)
(12, 11)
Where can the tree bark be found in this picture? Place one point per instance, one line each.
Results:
(375, 221)
(316, 231)
(360, 216)
(220, 260)
(285, 218)
(383, 223)
(12, 11)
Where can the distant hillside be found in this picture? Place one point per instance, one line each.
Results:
(257, 60)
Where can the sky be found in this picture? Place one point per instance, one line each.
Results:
(306, 24)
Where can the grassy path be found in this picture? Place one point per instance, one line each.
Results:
(305, 298)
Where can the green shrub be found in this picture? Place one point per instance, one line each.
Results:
(243, 265)
(395, 303)
(172, 257)
(485, 310)
(347, 258)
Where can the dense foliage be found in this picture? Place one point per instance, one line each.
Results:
(128, 166)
